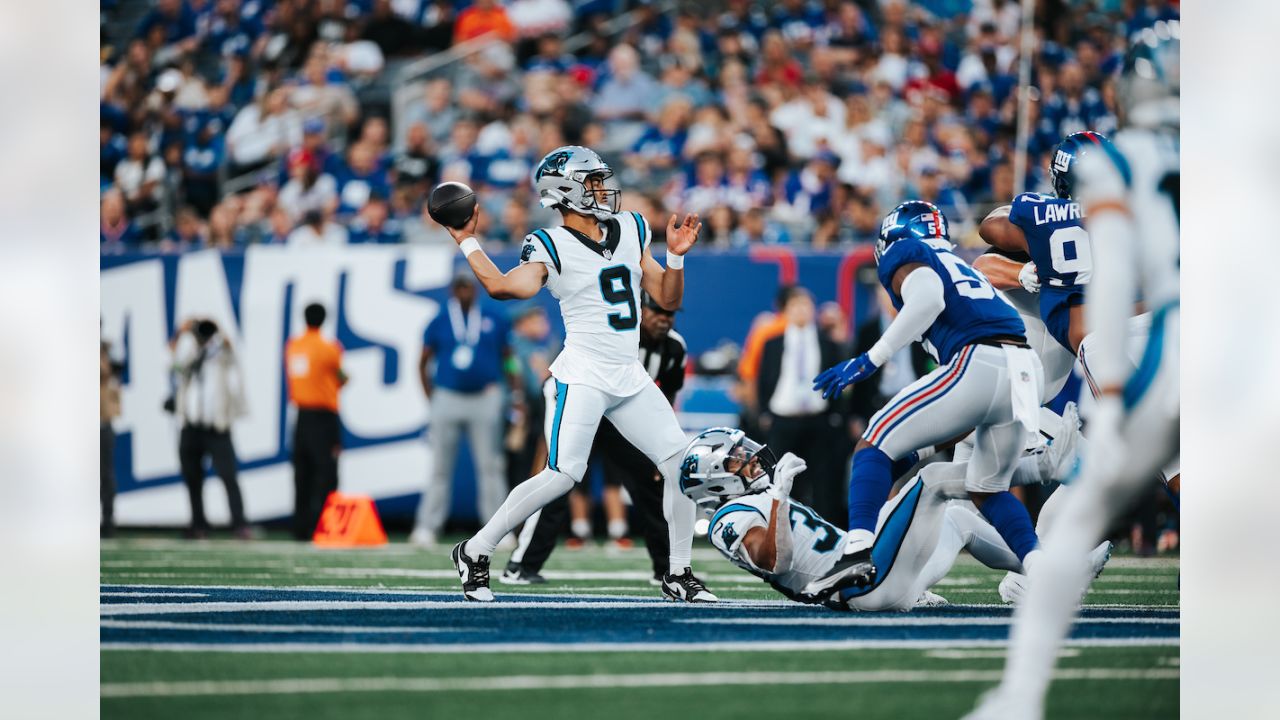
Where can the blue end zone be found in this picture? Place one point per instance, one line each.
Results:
(194, 617)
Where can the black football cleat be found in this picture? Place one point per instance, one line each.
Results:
(855, 570)
(474, 573)
(686, 588)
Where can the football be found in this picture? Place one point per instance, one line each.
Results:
(451, 204)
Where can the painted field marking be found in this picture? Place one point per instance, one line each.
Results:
(293, 686)
(994, 653)
(902, 620)
(507, 648)
(110, 593)
(336, 629)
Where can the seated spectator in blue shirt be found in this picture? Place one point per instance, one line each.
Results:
(810, 190)
(230, 33)
(658, 151)
(706, 188)
(550, 56)
(187, 233)
(756, 229)
(360, 178)
(1075, 107)
(678, 81)
(200, 162)
(798, 20)
(746, 186)
(628, 93)
(373, 224)
(933, 187)
(111, 150)
(173, 17)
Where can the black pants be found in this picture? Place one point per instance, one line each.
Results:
(107, 476)
(194, 445)
(638, 475)
(824, 448)
(317, 441)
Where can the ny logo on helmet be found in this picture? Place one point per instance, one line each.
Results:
(553, 163)
(1062, 161)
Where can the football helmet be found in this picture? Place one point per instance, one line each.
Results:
(1070, 150)
(723, 463)
(576, 178)
(913, 219)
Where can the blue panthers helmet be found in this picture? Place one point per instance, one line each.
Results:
(1070, 150)
(912, 219)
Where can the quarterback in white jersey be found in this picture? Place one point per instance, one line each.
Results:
(758, 527)
(1131, 205)
(595, 264)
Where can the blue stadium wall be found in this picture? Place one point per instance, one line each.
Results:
(384, 297)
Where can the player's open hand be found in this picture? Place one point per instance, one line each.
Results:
(838, 377)
(466, 231)
(681, 238)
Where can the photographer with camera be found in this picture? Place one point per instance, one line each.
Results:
(209, 397)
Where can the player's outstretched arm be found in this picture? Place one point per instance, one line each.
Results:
(922, 302)
(1000, 232)
(770, 548)
(666, 286)
(1007, 274)
(522, 283)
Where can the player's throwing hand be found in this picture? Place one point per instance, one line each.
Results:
(466, 231)
(681, 238)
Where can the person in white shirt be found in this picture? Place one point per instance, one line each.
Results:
(316, 230)
(209, 398)
(264, 130)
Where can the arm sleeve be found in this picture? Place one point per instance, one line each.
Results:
(922, 303)
(1111, 293)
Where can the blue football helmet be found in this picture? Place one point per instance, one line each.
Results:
(1073, 147)
(913, 219)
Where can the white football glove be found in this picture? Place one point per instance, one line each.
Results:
(1028, 278)
(784, 473)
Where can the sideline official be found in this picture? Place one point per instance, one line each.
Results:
(314, 367)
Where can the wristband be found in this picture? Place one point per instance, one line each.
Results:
(469, 246)
(674, 261)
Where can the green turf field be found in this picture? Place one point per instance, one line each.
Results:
(1134, 680)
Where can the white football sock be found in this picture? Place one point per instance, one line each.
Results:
(617, 529)
(679, 512)
(580, 528)
(526, 498)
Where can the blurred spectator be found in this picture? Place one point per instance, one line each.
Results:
(317, 229)
(416, 165)
(308, 188)
(139, 176)
(108, 411)
(201, 160)
(313, 366)
(393, 34)
(359, 178)
(660, 148)
(811, 121)
(931, 186)
(187, 233)
(116, 231)
(628, 93)
(482, 18)
(111, 150)
(436, 111)
(317, 94)
(755, 229)
(464, 351)
(279, 227)
(263, 131)
(209, 398)
(372, 224)
(794, 416)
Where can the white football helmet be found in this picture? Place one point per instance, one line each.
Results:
(723, 463)
(562, 178)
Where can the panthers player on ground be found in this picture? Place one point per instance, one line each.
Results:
(990, 380)
(738, 485)
(1131, 201)
(595, 265)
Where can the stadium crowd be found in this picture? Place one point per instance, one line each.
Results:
(231, 122)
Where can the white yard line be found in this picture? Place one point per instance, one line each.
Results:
(901, 620)
(293, 686)
(993, 653)
(504, 648)
(112, 593)
(223, 627)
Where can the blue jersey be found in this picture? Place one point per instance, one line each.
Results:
(973, 310)
(1059, 246)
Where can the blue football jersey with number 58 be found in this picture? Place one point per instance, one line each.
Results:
(973, 309)
(1059, 246)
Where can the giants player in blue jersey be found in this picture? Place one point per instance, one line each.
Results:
(989, 380)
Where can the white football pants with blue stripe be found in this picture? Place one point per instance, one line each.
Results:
(974, 390)
(647, 421)
(1113, 476)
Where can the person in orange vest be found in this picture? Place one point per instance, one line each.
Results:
(485, 16)
(313, 365)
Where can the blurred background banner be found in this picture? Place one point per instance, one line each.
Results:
(383, 298)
